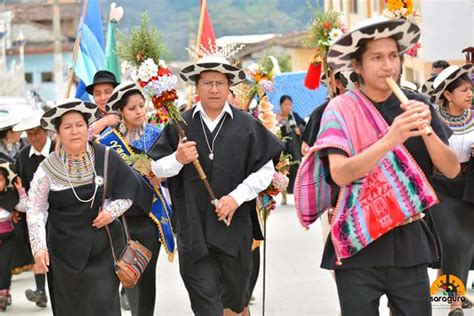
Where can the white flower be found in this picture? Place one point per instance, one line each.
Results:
(334, 35)
(147, 70)
(99, 181)
(254, 68)
(162, 84)
(162, 63)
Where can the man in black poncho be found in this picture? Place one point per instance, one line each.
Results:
(26, 164)
(237, 154)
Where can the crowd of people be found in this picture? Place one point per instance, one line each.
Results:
(399, 179)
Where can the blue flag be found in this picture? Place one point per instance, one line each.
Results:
(90, 57)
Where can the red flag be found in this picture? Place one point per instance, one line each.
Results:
(206, 36)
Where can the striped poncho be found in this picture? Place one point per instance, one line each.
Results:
(395, 190)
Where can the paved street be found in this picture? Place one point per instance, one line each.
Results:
(295, 283)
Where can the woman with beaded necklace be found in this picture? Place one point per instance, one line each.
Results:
(67, 190)
(136, 136)
(453, 217)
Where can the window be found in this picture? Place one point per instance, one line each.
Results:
(47, 76)
(354, 6)
(28, 77)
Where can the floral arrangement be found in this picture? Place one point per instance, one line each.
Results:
(143, 51)
(278, 185)
(262, 76)
(400, 9)
(266, 115)
(326, 28)
(403, 9)
(280, 177)
(142, 163)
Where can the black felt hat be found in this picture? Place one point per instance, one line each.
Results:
(102, 76)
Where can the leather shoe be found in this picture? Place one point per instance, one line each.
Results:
(38, 297)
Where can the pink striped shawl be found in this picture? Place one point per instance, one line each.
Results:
(396, 189)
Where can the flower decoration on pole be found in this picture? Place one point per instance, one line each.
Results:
(403, 9)
(326, 28)
(262, 76)
(143, 52)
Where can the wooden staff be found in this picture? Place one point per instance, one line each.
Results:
(404, 100)
(199, 169)
(264, 263)
(76, 50)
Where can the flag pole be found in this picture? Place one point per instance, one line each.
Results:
(76, 50)
(201, 22)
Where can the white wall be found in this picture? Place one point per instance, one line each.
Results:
(447, 28)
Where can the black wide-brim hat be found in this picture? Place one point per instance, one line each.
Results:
(340, 53)
(190, 74)
(118, 94)
(102, 76)
(88, 109)
(445, 78)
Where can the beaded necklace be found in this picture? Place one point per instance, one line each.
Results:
(132, 135)
(72, 172)
(83, 165)
(459, 124)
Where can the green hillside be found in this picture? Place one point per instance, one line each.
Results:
(177, 19)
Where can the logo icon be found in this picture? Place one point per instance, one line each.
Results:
(451, 287)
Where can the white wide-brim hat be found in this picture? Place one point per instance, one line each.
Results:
(11, 175)
(89, 109)
(119, 92)
(427, 87)
(8, 121)
(190, 74)
(446, 77)
(30, 121)
(408, 85)
(340, 53)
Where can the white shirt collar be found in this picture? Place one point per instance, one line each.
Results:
(44, 151)
(226, 109)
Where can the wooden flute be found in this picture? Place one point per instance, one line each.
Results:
(403, 99)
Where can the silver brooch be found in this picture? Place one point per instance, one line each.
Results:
(99, 181)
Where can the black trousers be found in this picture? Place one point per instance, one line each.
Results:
(407, 290)
(7, 245)
(218, 281)
(142, 297)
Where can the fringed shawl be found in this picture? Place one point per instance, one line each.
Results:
(395, 190)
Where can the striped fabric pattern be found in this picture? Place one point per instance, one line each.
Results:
(395, 190)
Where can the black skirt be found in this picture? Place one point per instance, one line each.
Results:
(94, 290)
(22, 257)
(453, 219)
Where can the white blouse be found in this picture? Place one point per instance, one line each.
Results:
(461, 142)
(37, 207)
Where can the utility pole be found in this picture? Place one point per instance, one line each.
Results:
(58, 62)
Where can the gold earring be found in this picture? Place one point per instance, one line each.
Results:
(450, 104)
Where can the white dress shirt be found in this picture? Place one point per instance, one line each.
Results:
(248, 190)
(44, 151)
